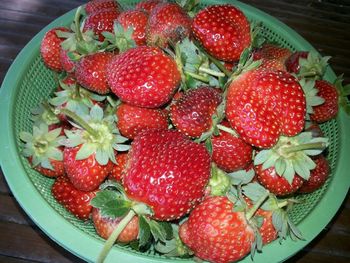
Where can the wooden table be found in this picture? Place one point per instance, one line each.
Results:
(325, 24)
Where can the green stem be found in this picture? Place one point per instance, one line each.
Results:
(256, 206)
(197, 76)
(79, 121)
(282, 204)
(219, 65)
(211, 72)
(228, 130)
(302, 147)
(179, 62)
(307, 74)
(77, 24)
(113, 237)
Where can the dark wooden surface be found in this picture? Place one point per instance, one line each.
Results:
(325, 24)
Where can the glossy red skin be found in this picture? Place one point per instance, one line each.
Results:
(50, 48)
(98, 5)
(136, 19)
(132, 120)
(263, 104)
(67, 64)
(272, 51)
(329, 109)
(147, 5)
(87, 174)
(276, 184)
(91, 72)
(143, 76)
(101, 21)
(215, 233)
(75, 201)
(230, 153)
(192, 113)
(223, 30)
(318, 176)
(167, 22)
(292, 63)
(104, 227)
(117, 170)
(166, 171)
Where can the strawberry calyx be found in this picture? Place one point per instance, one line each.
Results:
(42, 145)
(314, 66)
(75, 98)
(311, 97)
(113, 202)
(344, 92)
(219, 182)
(44, 114)
(290, 155)
(96, 133)
(121, 39)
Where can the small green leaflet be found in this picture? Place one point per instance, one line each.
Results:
(144, 231)
(241, 177)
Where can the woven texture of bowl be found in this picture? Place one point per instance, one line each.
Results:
(28, 82)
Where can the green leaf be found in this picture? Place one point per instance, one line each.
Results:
(261, 157)
(103, 197)
(294, 230)
(102, 156)
(144, 231)
(25, 136)
(85, 151)
(280, 166)
(289, 172)
(253, 191)
(157, 230)
(116, 208)
(55, 154)
(241, 177)
(209, 145)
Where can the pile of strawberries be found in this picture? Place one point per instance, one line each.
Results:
(181, 131)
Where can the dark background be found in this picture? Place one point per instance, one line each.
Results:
(325, 24)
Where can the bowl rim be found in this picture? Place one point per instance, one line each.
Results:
(86, 247)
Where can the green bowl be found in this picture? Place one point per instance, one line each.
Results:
(28, 82)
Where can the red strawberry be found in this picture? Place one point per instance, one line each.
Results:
(118, 168)
(137, 20)
(104, 227)
(86, 174)
(147, 5)
(75, 201)
(267, 229)
(101, 21)
(192, 113)
(318, 175)
(50, 48)
(132, 120)
(276, 184)
(67, 64)
(329, 109)
(167, 22)
(314, 128)
(91, 72)
(166, 171)
(272, 51)
(143, 76)
(230, 153)
(215, 233)
(98, 5)
(43, 148)
(223, 30)
(264, 104)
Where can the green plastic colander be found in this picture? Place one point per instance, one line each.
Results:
(28, 82)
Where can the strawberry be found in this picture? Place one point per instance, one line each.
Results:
(137, 20)
(43, 148)
(192, 113)
(314, 128)
(167, 23)
(101, 21)
(86, 174)
(284, 168)
(272, 51)
(118, 168)
(166, 171)
(263, 104)
(329, 109)
(230, 152)
(307, 64)
(147, 5)
(143, 77)
(318, 175)
(223, 30)
(267, 229)
(132, 120)
(50, 48)
(214, 232)
(94, 6)
(105, 225)
(68, 65)
(90, 148)
(75, 201)
(91, 72)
